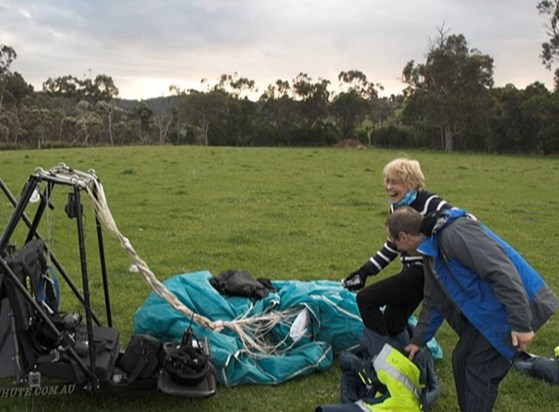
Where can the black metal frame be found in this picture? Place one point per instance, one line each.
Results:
(73, 210)
(27, 383)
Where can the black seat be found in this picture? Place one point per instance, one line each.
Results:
(44, 342)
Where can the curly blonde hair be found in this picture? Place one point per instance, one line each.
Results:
(407, 171)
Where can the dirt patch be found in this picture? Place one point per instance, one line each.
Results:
(352, 143)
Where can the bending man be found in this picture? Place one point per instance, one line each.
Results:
(485, 290)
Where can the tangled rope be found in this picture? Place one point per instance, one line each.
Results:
(251, 330)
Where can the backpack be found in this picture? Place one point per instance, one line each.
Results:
(29, 264)
(142, 358)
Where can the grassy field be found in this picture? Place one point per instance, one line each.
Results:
(300, 214)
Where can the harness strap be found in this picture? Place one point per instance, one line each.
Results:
(47, 292)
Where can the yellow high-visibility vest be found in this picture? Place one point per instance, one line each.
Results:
(401, 378)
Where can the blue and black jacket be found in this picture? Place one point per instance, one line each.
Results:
(472, 275)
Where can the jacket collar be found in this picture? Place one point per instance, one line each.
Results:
(428, 245)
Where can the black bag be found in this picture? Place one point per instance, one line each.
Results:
(240, 283)
(187, 364)
(142, 358)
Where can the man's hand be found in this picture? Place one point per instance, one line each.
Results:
(411, 349)
(521, 340)
(355, 280)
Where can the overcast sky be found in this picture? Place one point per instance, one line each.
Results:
(147, 45)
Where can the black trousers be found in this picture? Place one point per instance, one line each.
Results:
(478, 370)
(401, 294)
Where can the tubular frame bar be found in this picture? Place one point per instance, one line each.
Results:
(19, 214)
(54, 260)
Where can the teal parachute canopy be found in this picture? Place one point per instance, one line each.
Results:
(292, 332)
(315, 320)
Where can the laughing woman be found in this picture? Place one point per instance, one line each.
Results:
(401, 293)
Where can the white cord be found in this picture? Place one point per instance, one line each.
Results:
(252, 331)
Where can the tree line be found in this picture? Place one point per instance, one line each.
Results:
(449, 103)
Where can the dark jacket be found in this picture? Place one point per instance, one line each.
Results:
(472, 275)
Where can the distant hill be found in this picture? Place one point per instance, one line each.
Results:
(159, 105)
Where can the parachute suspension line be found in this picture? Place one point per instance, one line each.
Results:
(251, 331)
(102, 211)
(49, 225)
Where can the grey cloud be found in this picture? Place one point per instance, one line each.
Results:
(264, 40)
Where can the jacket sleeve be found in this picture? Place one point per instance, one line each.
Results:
(430, 317)
(380, 260)
(426, 202)
(468, 243)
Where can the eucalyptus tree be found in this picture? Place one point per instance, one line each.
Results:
(7, 56)
(99, 92)
(314, 97)
(63, 117)
(22, 114)
(525, 121)
(238, 110)
(102, 88)
(89, 124)
(355, 102)
(549, 136)
(13, 89)
(65, 92)
(112, 115)
(91, 90)
(12, 85)
(144, 122)
(199, 113)
(165, 124)
(237, 87)
(279, 115)
(550, 48)
(69, 87)
(36, 122)
(539, 111)
(451, 90)
(313, 100)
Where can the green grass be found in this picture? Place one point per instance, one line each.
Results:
(299, 214)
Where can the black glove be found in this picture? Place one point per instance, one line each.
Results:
(355, 280)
